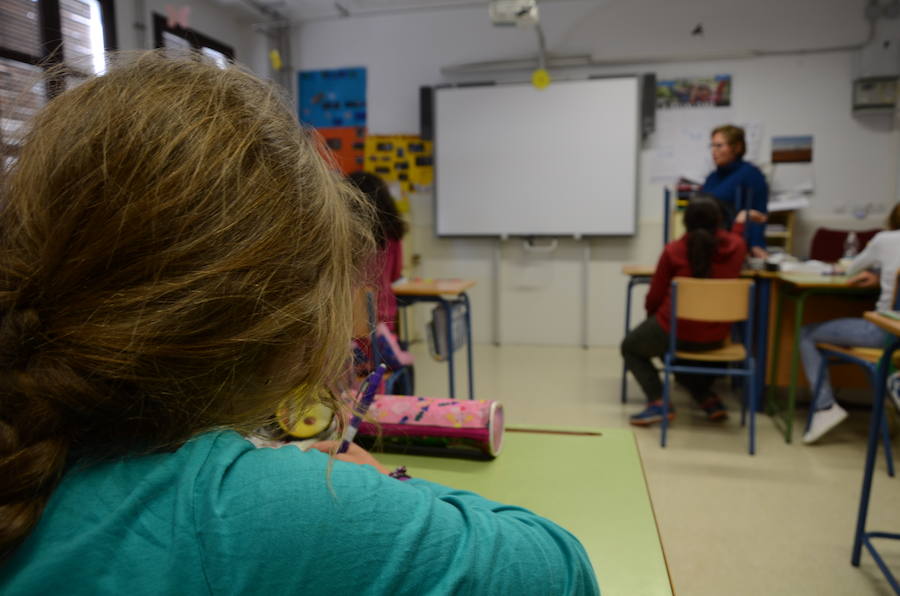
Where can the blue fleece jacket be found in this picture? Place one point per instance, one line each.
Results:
(737, 184)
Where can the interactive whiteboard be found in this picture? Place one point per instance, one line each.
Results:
(513, 160)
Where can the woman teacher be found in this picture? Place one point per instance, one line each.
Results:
(738, 184)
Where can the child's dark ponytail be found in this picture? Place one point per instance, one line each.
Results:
(702, 218)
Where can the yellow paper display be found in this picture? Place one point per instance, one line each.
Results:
(406, 159)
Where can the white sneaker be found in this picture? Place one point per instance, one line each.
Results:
(823, 421)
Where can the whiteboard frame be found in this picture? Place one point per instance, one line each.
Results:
(636, 157)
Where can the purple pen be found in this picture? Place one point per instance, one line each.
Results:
(372, 383)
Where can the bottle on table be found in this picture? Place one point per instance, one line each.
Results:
(851, 246)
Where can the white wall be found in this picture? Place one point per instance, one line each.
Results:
(226, 24)
(854, 158)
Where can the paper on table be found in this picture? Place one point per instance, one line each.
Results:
(788, 203)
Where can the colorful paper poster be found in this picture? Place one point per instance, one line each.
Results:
(332, 98)
(694, 92)
(347, 146)
(406, 159)
(334, 103)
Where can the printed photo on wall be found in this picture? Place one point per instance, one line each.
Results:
(792, 149)
(694, 92)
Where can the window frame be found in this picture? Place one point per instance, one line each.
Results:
(193, 37)
(52, 50)
(51, 37)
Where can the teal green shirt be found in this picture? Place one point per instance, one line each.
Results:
(220, 516)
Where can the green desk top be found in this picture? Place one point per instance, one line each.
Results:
(591, 484)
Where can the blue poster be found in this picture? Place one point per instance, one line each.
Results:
(332, 98)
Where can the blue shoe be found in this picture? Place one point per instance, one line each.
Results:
(652, 414)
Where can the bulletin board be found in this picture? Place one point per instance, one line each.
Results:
(404, 159)
(334, 103)
(512, 160)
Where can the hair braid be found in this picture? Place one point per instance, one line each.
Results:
(33, 448)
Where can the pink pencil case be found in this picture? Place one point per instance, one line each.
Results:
(436, 425)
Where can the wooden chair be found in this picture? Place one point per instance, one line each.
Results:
(715, 301)
(868, 358)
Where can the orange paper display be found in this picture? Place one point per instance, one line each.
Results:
(347, 145)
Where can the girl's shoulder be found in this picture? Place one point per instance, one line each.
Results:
(677, 246)
(887, 236)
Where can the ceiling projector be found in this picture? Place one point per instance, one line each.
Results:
(514, 13)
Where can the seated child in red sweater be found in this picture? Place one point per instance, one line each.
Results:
(386, 269)
(705, 250)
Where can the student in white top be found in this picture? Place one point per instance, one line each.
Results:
(879, 262)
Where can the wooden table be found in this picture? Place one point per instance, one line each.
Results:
(432, 287)
(590, 482)
(770, 333)
(861, 537)
(447, 292)
(799, 287)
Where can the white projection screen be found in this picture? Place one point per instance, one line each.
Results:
(512, 160)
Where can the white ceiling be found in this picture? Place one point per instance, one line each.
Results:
(305, 10)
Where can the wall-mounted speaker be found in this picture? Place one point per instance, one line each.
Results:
(426, 113)
(648, 104)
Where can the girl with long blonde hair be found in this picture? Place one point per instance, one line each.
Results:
(175, 257)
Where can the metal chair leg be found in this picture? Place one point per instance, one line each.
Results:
(744, 400)
(666, 387)
(751, 397)
(624, 389)
(885, 430)
(886, 442)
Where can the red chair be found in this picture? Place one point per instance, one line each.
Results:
(828, 245)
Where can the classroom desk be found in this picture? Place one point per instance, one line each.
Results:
(799, 287)
(591, 483)
(446, 292)
(861, 537)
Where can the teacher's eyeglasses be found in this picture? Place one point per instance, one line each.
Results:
(718, 145)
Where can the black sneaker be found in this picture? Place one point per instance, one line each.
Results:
(714, 408)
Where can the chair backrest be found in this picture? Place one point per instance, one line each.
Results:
(828, 244)
(713, 300)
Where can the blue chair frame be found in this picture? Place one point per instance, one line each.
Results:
(747, 370)
(861, 537)
(832, 357)
(632, 281)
